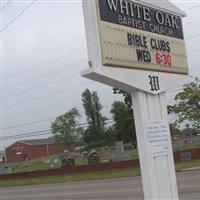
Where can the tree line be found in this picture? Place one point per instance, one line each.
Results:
(98, 132)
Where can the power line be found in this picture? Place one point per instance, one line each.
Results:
(17, 16)
(5, 5)
(49, 94)
(43, 64)
(51, 83)
(45, 132)
(38, 134)
(45, 74)
(54, 82)
(179, 88)
(27, 133)
(28, 123)
(42, 120)
(41, 86)
(26, 136)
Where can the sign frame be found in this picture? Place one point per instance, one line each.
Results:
(148, 90)
(96, 46)
(124, 78)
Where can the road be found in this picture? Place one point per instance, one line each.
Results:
(112, 189)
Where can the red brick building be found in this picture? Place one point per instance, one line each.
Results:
(32, 149)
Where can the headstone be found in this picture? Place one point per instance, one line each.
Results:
(68, 162)
(93, 158)
(185, 156)
(120, 152)
(4, 169)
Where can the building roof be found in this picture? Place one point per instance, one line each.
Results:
(165, 5)
(39, 141)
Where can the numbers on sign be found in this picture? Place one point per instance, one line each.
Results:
(169, 59)
(158, 59)
(154, 83)
(163, 59)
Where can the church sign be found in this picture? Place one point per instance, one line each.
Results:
(133, 35)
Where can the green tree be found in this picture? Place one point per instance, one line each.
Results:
(126, 95)
(129, 104)
(187, 106)
(65, 127)
(124, 122)
(174, 130)
(94, 134)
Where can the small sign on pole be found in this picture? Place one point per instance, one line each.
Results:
(158, 137)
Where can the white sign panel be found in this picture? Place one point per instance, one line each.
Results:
(158, 137)
(136, 36)
(131, 43)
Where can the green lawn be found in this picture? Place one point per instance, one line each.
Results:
(40, 165)
(79, 160)
(187, 164)
(37, 165)
(133, 153)
(89, 176)
(189, 147)
(107, 174)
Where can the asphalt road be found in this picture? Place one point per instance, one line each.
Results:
(112, 189)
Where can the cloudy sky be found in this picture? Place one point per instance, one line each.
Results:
(43, 50)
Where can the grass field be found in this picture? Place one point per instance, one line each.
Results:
(187, 164)
(89, 176)
(189, 147)
(72, 177)
(79, 160)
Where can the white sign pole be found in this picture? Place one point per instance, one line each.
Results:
(156, 156)
(151, 122)
(128, 57)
